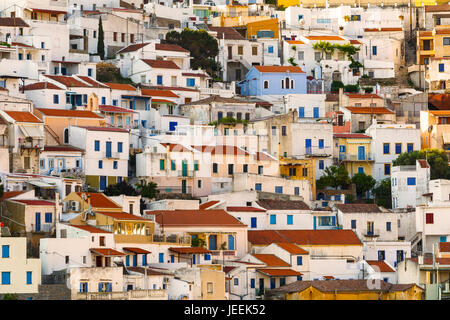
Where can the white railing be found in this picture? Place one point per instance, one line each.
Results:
(151, 294)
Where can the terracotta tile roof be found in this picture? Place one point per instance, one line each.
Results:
(295, 42)
(133, 47)
(99, 200)
(227, 33)
(279, 272)
(279, 69)
(270, 204)
(13, 22)
(351, 136)
(89, 228)
(244, 209)
(292, 248)
(437, 8)
(18, 44)
(121, 215)
(120, 86)
(336, 285)
(161, 64)
(179, 218)
(271, 260)
(355, 42)
(444, 246)
(336, 38)
(10, 194)
(439, 101)
(363, 96)
(35, 202)
(443, 31)
(380, 266)
(174, 88)
(174, 147)
(382, 29)
(208, 204)
(23, 116)
(170, 47)
(162, 101)
(48, 11)
(62, 148)
(227, 269)
(303, 237)
(159, 93)
(328, 277)
(368, 110)
(104, 129)
(429, 261)
(93, 82)
(425, 33)
(190, 74)
(216, 99)
(68, 81)
(68, 113)
(106, 252)
(41, 86)
(105, 108)
(262, 156)
(136, 250)
(189, 250)
(423, 163)
(358, 208)
(149, 271)
(440, 112)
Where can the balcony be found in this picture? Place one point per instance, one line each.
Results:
(372, 233)
(186, 173)
(112, 155)
(154, 294)
(44, 228)
(356, 157)
(177, 189)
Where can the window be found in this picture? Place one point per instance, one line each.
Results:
(290, 219)
(6, 277)
(103, 100)
(353, 222)
(100, 164)
(410, 147)
(252, 283)
(255, 51)
(361, 125)
(297, 191)
(381, 255)
(398, 148)
(199, 184)
(230, 168)
(301, 112)
(278, 189)
(161, 164)
(119, 146)
(386, 148)
(215, 167)
(97, 145)
(273, 219)
(317, 56)
(411, 181)
(230, 242)
(258, 186)
(122, 37)
(388, 226)
(374, 50)
(270, 49)
(85, 98)
(266, 84)
(210, 287)
(429, 218)
(253, 222)
(446, 41)
(67, 259)
(5, 251)
(20, 56)
(316, 112)
(95, 34)
(299, 261)
(240, 50)
(321, 165)
(387, 169)
(283, 131)
(219, 115)
(195, 165)
(56, 99)
(190, 82)
(115, 164)
(441, 67)
(301, 55)
(159, 80)
(321, 144)
(48, 217)
(236, 281)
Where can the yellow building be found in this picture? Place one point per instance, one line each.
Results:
(362, 3)
(346, 290)
(299, 169)
(263, 28)
(353, 150)
(435, 129)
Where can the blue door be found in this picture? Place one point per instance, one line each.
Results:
(361, 153)
(38, 221)
(316, 112)
(102, 182)
(314, 223)
(135, 260)
(108, 149)
(301, 112)
(172, 125)
(193, 259)
(272, 283)
(308, 149)
(161, 257)
(253, 222)
(212, 242)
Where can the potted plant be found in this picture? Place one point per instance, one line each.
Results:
(347, 18)
(341, 28)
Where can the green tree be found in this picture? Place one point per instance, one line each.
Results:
(383, 193)
(363, 183)
(120, 188)
(437, 160)
(335, 85)
(335, 177)
(351, 88)
(203, 47)
(149, 190)
(101, 40)
(10, 296)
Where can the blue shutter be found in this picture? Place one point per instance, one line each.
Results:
(29, 277)
(81, 287)
(97, 145)
(100, 287)
(161, 257)
(360, 169)
(410, 147)
(290, 219)
(321, 143)
(5, 251)
(119, 146)
(127, 261)
(321, 164)
(374, 50)
(299, 260)
(270, 49)
(159, 80)
(253, 222)
(230, 242)
(172, 125)
(441, 67)
(273, 219)
(443, 239)
(207, 257)
(301, 112)
(109, 287)
(135, 260)
(314, 223)
(6, 277)
(316, 112)
(278, 189)
(411, 181)
(258, 186)
(172, 258)
(333, 221)
(252, 283)
(144, 260)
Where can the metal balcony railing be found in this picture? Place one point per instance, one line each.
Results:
(356, 157)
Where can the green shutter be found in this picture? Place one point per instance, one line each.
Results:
(196, 165)
(172, 164)
(161, 164)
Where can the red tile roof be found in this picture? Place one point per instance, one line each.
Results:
(41, 86)
(227, 33)
(48, 11)
(159, 93)
(438, 8)
(279, 272)
(261, 156)
(18, 44)
(423, 163)
(355, 42)
(363, 96)
(120, 86)
(68, 113)
(304, 237)
(114, 109)
(13, 22)
(189, 250)
(190, 74)
(89, 228)
(351, 135)
(244, 209)
(68, 81)
(161, 64)
(328, 277)
(382, 29)
(136, 250)
(444, 246)
(10, 194)
(162, 101)
(174, 147)
(180, 218)
(35, 202)
(380, 266)
(439, 100)
(208, 204)
(169, 47)
(23, 116)
(107, 252)
(341, 286)
(368, 110)
(271, 204)
(133, 47)
(358, 208)
(104, 129)
(93, 82)
(99, 200)
(121, 215)
(279, 69)
(292, 248)
(271, 260)
(443, 31)
(325, 38)
(295, 42)
(62, 148)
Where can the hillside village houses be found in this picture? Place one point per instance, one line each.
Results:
(131, 168)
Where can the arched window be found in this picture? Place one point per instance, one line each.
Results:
(230, 242)
(292, 84)
(66, 135)
(212, 242)
(282, 84)
(287, 83)
(266, 84)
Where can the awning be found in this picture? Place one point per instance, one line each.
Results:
(33, 132)
(446, 137)
(106, 252)
(136, 250)
(41, 184)
(279, 272)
